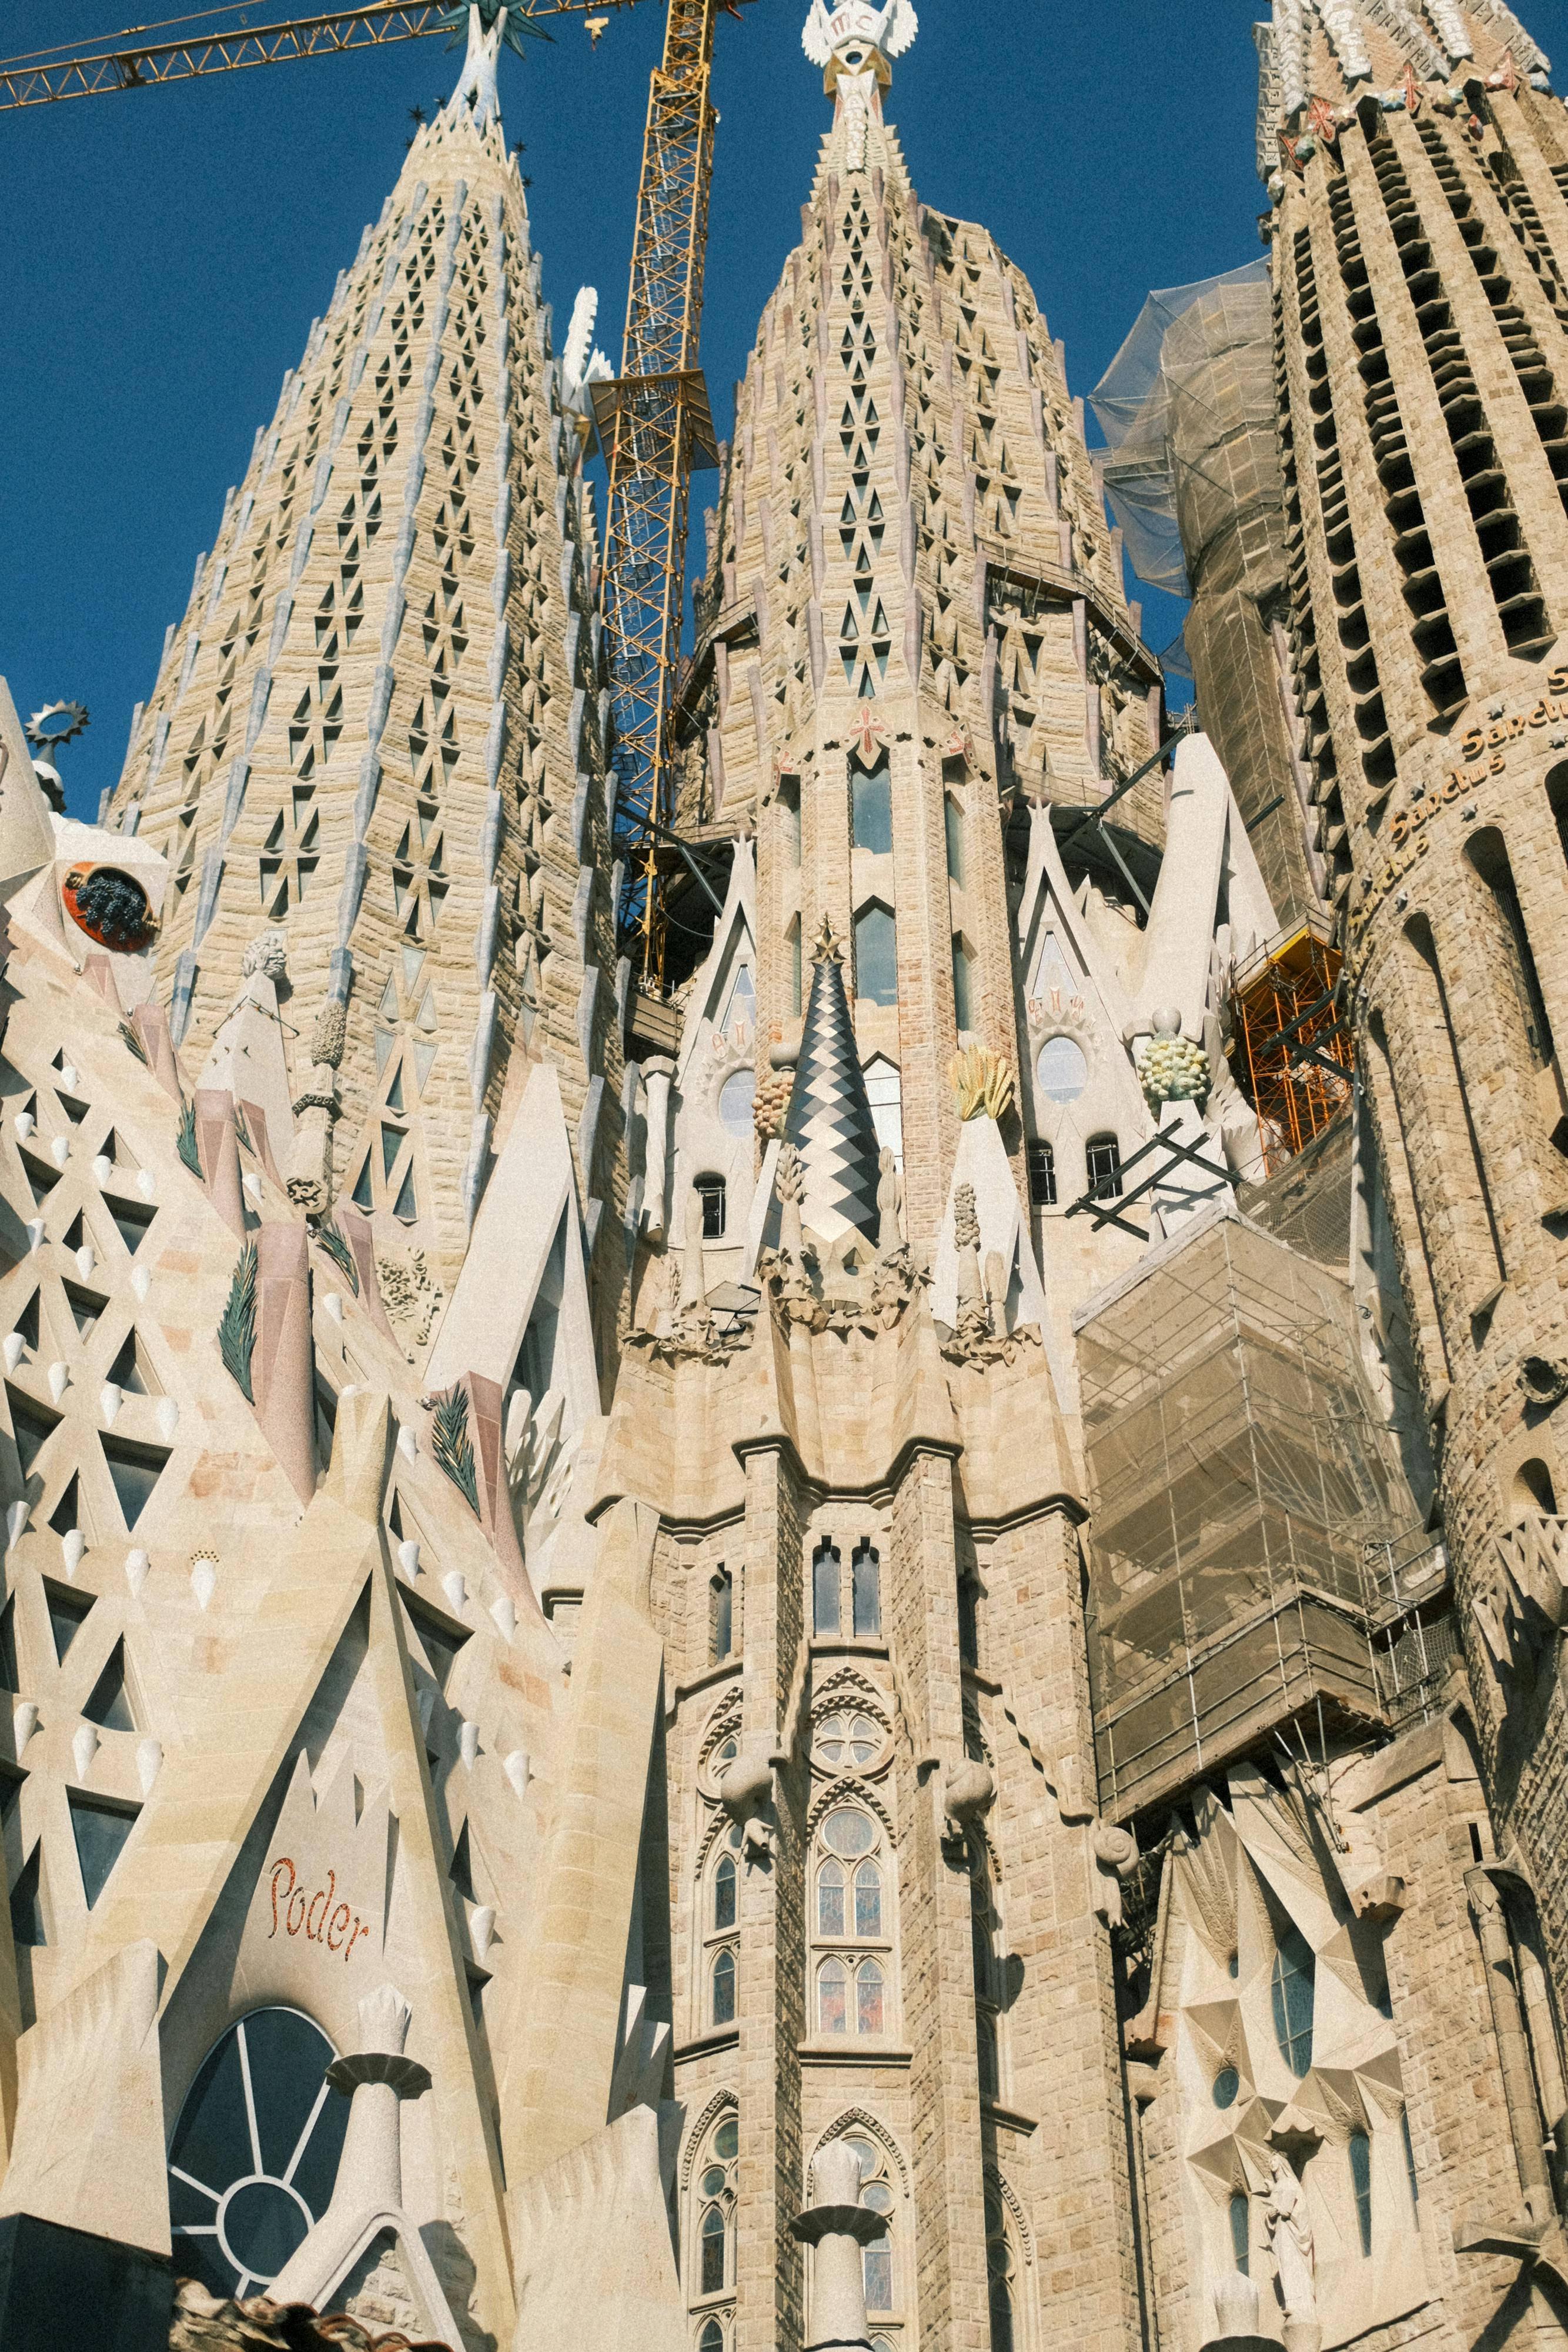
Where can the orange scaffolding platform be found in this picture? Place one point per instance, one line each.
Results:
(1290, 1045)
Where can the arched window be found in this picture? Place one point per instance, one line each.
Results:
(724, 1989)
(1292, 1990)
(1534, 1490)
(876, 955)
(853, 1925)
(721, 1615)
(884, 1092)
(1103, 1160)
(710, 1191)
(1001, 2272)
(1041, 1162)
(711, 2282)
(253, 2157)
(953, 821)
(1361, 2186)
(719, 1912)
(872, 811)
(990, 1980)
(792, 964)
(826, 1580)
(866, 1579)
(1240, 2219)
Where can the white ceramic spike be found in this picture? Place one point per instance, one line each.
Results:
(83, 1747)
(456, 1591)
(137, 1564)
(408, 1556)
(15, 1347)
(73, 1544)
(110, 1400)
(59, 1381)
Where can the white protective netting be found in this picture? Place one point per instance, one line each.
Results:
(1186, 404)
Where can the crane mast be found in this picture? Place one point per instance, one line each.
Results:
(654, 425)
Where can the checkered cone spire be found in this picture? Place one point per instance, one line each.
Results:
(830, 1122)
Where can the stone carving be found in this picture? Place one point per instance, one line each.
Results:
(982, 1083)
(1295, 2258)
(1171, 1068)
(1543, 1379)
(842, 1285)
(411, 1295)
(268, 954)
(747, 1793)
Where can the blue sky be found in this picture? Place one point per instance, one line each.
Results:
(166, 250)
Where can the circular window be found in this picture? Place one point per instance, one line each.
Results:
(847, 1832)
(846, 1740)
(726, 2141)
(1226, 2084)
(1061, 1069)
(255, 2153)
(735, 1097)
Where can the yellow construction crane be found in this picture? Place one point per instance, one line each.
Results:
(653, 418)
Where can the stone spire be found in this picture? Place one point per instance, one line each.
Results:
(916, 614)
(829, 1121)
(379, 726)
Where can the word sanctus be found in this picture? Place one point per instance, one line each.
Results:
(340, 1929)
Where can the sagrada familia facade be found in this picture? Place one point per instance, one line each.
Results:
(861, 1651)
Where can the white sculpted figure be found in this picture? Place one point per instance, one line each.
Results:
(1291, 2239)
(854, 43)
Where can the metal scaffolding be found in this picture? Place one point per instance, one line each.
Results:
(1293, 1057)
(1245, 1498)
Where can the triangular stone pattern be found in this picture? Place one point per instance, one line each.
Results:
(830, 1122)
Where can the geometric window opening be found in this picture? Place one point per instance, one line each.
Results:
(28, 1902)
(255, 2154)
(884, 1092)
(1041, 1162)
(135, 1470)
(68, 1614)
(63, 1519)
(41, 1180)
(439, 1639)
(102, 1831)
(406, 1208)
(110, 1705)
(1227, 2085)
(10, 1673)
(1409, 2156)
(85, 1306)
(360, 1196)
(33, 1428)
(1292, 1992)
(391, 1144)
(462, 1871)
(27, 1324)
(131, 1369)
(75, 1235)
(131, 1221)
(395, 1095)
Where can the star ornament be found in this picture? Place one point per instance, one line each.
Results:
(825, 947)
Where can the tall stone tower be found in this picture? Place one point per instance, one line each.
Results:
(1421, 245)
(378, 731)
